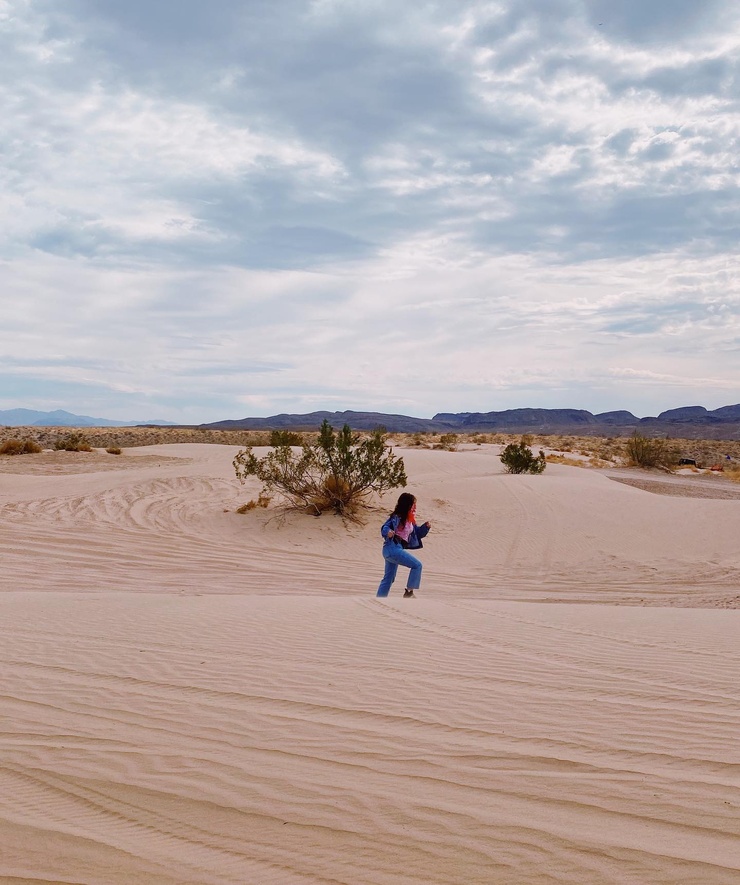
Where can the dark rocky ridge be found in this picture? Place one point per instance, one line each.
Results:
(689, 422)
(313, 420)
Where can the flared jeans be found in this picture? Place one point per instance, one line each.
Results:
(394, 556)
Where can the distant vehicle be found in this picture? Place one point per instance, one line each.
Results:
(686, 462)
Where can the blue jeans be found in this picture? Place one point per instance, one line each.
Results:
(394, 556)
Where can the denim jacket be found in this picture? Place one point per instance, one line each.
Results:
(417, 533)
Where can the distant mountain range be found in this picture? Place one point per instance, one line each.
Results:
(691, 422)
(60, 418)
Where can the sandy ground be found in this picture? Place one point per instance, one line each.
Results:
(191, 695)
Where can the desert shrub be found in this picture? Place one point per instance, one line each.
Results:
(113, 450)
(606, 451)
(448, 442)
(644, 451)
(74, 441)
(337, 472)
(20, 447)
(518, 458)
(252, 438)
(285, 438)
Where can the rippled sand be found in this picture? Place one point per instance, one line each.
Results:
(189, 695)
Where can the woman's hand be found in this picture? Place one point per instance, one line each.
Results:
(390, 534)
(428, 524)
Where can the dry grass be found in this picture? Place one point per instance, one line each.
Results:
(610, 450)
(451, 441)
(591, 461)
(74, 441)
(595, 451)
(614, 450)
(564, 459)
(261, 501)
(448, 442)
(334, 489)
(15, 446)
(128, 437)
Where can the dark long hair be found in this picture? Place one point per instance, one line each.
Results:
(405, 502)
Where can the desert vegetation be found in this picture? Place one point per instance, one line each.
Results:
(733, 473)
(589, 460)
(644, 451)
(448, 442)
(74, 441)
(582, 451)
(286, 438)
(260, 501)
(519, 458)
(128, 437)
(15, 446)
(337, 472)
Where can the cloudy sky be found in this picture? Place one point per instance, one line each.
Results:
(245, 207)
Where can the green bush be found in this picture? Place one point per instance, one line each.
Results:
(518, 458)
(646, 451)
(285, 438)
(74, 441)
(20, 447)
(336, 473)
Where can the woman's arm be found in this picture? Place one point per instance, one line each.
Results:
(423, 530)
(392, 524)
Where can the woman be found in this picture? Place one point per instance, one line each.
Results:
(401, 534)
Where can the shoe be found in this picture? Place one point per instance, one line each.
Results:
(408, 594)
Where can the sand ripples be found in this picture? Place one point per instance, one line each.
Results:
(203, 697)
(299, 740)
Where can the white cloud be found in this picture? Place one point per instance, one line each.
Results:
(466, 206)
(110, 164)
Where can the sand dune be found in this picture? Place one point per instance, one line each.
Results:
(190, 695)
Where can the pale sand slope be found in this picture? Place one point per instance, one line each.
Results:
(570, 533)
(300, 731)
